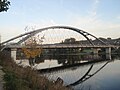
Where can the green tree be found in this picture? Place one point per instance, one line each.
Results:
(4, 5)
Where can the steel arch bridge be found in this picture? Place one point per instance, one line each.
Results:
(32, 33)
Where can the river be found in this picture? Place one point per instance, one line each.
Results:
(82, 73)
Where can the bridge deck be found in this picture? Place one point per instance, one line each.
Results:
(53, 46)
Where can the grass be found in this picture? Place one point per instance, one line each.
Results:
(19, 78)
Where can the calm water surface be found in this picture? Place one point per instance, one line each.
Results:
(108, 78)
(103, 75)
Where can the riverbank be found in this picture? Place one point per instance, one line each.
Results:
(19, 78)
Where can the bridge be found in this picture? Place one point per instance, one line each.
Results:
(32, 33)
(57, 46)
(86, 35)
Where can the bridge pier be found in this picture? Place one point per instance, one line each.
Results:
(13, 53)
(108, 53)
(95, 52)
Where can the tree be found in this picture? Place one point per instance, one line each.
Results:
(70, 40)
(4, 5)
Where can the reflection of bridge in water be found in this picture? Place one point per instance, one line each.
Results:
(87, 75)
(95, 48)
(82, 78)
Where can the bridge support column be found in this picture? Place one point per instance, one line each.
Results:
(108, 53)
(95, 53)
(13, 53)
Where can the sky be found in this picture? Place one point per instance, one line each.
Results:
(98, 17)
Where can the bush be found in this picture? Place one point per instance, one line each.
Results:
(19, 78)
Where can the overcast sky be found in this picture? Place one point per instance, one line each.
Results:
(98, 17)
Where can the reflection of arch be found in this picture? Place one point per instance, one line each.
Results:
(32, 33)
(86, 76)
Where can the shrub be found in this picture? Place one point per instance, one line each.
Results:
(24, 78)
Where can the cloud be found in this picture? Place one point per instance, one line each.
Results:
(93, 25)
(96, 26)
(93, 11)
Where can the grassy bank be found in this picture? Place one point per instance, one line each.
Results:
(19, 78)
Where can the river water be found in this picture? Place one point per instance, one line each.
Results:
(82, 73)
(108, 78)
